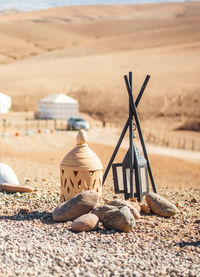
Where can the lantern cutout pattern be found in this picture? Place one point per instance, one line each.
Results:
(80, 170)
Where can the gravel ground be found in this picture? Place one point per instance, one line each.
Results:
(31, 244)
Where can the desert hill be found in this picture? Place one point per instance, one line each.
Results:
(84, 51)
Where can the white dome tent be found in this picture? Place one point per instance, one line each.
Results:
(58, 106)
(5, 103)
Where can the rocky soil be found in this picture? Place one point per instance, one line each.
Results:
(32, 244)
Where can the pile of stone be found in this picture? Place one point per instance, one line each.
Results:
(81, 187)
(87, 211)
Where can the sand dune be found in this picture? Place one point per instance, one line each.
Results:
(85, 51)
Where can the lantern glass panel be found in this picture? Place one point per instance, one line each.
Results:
(143, 179)
(128, 180)
(120, 178)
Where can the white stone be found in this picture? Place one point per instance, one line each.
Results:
(7, 175)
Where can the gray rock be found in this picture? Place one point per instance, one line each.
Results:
(135, 208)
(160, 205)
(101, 209)
(119, 219)
(81, 204)
(86, 222)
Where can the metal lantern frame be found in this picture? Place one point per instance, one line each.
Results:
(122, 184)
(134, 159)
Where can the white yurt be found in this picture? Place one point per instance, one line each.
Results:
(58, 106)
(5, 103)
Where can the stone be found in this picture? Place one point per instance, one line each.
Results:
(15, 188)
(136, 205)
(80, 204)
(24, 211)
(101, 209)
(7, 175)
(123, 203)
(178, 205)
(194, 200)
(160, 205)
(86, 222)
(119, 219)
(145, 209)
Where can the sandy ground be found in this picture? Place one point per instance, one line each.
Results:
(38, 157)
(33, 244)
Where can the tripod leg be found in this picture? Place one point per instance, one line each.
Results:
(131, 154)
(115, 151)
(124, 130)
(134, 111)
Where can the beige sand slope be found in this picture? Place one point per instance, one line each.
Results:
(85, 51)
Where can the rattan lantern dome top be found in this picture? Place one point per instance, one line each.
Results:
(82, 157)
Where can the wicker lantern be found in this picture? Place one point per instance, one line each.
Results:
(80, 170)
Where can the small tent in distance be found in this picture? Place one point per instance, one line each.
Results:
(58, 106)
(5, 103)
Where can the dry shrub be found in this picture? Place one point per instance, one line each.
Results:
(103, 106)
(113, 107)
(26, 102)
(184, 103)
(190, 125)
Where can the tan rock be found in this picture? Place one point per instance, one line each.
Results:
(133, 199)
(179, 205)
(136, 205)
(123, 203)
(86, 222)
(135, 213)
(194, 200)
(80, 204)
(160, 205)
(119, 219)
(197, 220)
(24, 211)
(15, 188)
(101, 209)
(145, 208)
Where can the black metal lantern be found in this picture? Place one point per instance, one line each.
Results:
(131, 176)
(137, 187)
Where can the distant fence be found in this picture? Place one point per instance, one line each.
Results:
(173, 141)
(32, 125)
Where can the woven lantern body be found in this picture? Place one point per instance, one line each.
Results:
(80, 170)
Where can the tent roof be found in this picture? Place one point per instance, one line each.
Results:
(58, 99)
